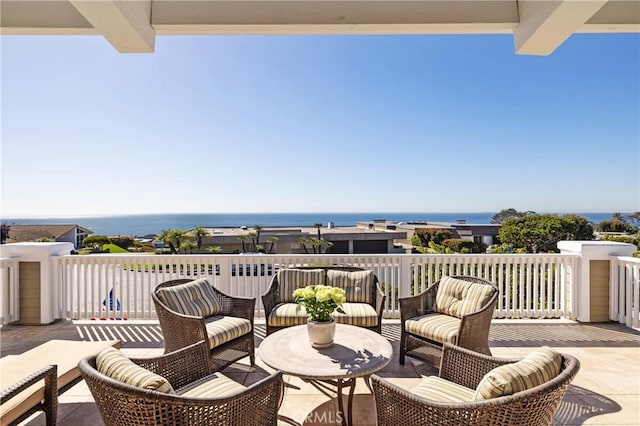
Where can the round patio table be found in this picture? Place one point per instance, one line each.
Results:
(356, 352)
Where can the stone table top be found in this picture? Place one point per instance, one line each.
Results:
(355, 352)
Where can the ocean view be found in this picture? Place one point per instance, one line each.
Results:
(141, 225)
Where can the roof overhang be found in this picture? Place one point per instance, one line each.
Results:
(538, 26)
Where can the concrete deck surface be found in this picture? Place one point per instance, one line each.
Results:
(606, 391)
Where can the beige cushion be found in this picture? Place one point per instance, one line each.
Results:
(292, 279)
(223, 329)
(64, 353)
(458, 297)
(358, 285)
(436, 389)
(286, 314)
(195, 298)
(359, 314)
(437, 327)
(216, 385)
(535, 369)
(113, 363)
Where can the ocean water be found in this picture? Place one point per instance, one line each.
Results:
(141, 225)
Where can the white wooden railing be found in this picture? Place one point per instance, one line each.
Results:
(119, 286)
(9, 292)
(624, 291)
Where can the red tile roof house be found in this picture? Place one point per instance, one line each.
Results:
(73, 234)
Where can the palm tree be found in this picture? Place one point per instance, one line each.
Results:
(243, 238)
(258, 229)
(318, 226)
(166, 236)
(178, 235)
(199, 232)
(214, 249)
(272, 241)
(187, 246)
(304, 241)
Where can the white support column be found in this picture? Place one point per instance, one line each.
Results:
(590, 251)
(545, 25)
(126, 24)
(41, 253)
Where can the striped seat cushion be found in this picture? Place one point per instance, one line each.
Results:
(285, 315)
(458, 298)
(223, 329)
(291, 279)
(437, 327)
(216, 385)
(436, 389)
(196, 298)
(535, 369)
(113, 363)
(360, 314)
(358, 285)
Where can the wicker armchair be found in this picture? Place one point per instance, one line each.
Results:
(370, 302)
(122, 404)
(470, 330)
(532, 407)
(180, 330)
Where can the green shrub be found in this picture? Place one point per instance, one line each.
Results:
(427, 235)
(459, 245)
(630, 239)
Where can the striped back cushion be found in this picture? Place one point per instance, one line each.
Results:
(113, 363)
(358, 285)
(535, 369)
(195, 298)
(292, 279)
(457, 297)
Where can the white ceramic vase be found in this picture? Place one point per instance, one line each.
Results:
(321, 333)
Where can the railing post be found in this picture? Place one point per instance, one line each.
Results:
(39, 286)
(405, 276)
(592, 298)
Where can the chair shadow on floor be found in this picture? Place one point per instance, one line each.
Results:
(580, 404)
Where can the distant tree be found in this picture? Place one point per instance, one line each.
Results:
(4, 233)
(214, 249)
(243, 240)
(199, 233)
(422, 236)
(174, 238)
(258, 229)
(178, 236)
(634, 220)
(318, 245)
(510, 213)
(95, 242)
(458, 245)
(254, 237)
(303, 242)
(123, 242)
(45, 240)
(188, 246)
(617, 223)
(577, 228)
(318, 227)
(272, 242)
(541, 233)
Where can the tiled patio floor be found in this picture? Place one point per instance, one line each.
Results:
(606, 391)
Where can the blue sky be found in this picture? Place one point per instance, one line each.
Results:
(319, 124)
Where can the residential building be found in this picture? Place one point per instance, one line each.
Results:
(345, 239)
(73, 234)
(479, 233)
